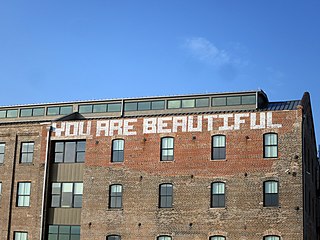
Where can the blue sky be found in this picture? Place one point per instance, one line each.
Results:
(79, 50)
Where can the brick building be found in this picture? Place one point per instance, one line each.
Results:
(201, 167)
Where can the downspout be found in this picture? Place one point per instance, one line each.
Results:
(303, 178)
(45, 177)
(12, 185)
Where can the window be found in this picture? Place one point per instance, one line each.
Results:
(188, 103)
(167, 148)
(270, 145)
(69, 152)
(174, 104)
(30, 112)
(0, 188)
(85, 109)
(2, 148)
(117, 150)
(218, 147)
(271, 237)
(27, 152)
(114, 107)
(164, 238)
(63, 232)
(59, 110)
(217, 194)
(271, 194)
(219, 101)
(24, 191)
(66, 195)
(202, 102)
(217, 238)
(20, 236)
(115, 197)
(165, 195)
(113, 237)
(233, 101)
(133, 106)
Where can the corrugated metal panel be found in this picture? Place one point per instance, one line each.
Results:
(67, 172)
(65, 216)
(285, 105)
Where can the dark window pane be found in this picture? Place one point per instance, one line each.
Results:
(53, 111)
(144, 106)
(75, 230)
(98, 108)
(59, 146)
(81, 157)
(77, 201)
(55, 202)
(219, 153)
(157, 105)
(202, 102)
(114, 107)
(26, 112)
(81, 146)
(130, 106)
(70, 150)
(248, 99)
(53, 236)
(65, 110)
(58, 157)
(233, 101)
(85, 109)
(64, 237)
(38, 112)
(219, 101)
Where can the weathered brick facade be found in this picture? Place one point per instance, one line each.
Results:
(244, 171)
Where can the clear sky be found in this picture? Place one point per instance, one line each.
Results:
(62, 50)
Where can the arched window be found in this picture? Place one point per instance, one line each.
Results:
(270, 194)
(218, 147)
(117, 150)
(163, 237)
(271, 237)
(217, 238)
(218, 194)
(167, 147)
(270, 145)
(113, 237)
(115, 196)
(165, 195)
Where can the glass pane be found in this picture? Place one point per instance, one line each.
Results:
(130, 106)
(66, 199)
(53, 229)
(58, 157)
(118, 144)
(271, 187)
(64, 229)
(3, 113)
(59, 146)
(38, 112)
(167, 142)
(270, 139)
(98, 108)
(114, 107)
(202, 102)
(233, 101)
(65, 110)
(64, 237)
(12, 113)
(219, 141)
(188, 103)
(77, 201)
(53, 236)
(218, 188)
(80, 157)
(174, 103)
(75, 237)
(75, 230)
(26, 112)
(56, 188)
(55, 201)
(2, 145)
(85, 109)
(219, 101)
(248, 100)
(116, 189)
(144, 106)
(271, 151)
(70, 150)
(53, 111)
(78, 188)
(81, 146)
(219, 153)
(157, 105)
